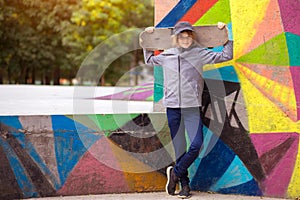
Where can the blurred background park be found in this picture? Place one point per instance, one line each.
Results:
(44, 42)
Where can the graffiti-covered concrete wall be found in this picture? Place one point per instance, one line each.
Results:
(258, 108)
(251, 125)
(44, 152)
(83, 154)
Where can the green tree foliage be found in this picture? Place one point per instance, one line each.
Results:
(48, 39)
(31, 44)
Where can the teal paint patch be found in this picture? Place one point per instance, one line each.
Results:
(230, 34)
(293, 43)
(158, 83)
(235, 175)
(209, 140)
(227, 73)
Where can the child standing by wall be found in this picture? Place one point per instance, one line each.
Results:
(183, 87)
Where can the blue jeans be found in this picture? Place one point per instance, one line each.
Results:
(181, 120)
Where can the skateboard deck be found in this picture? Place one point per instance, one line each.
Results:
(160, 39)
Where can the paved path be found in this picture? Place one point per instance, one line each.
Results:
(157, 196)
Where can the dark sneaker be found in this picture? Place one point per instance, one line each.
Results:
(185, 192)
(171, 182)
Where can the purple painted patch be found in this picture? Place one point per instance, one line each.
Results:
(290, 15)
(277, 179)
(138, 93)
(295, 72)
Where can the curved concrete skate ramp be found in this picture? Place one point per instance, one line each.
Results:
(48, 100)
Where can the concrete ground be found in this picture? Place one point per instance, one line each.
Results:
(157, 196)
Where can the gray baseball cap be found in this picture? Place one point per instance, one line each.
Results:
(182, 26)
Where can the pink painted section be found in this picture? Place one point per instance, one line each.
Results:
(270, 26)
(162, 8)
(290, 15)
(295, 71)
(281, 75)
(91, 176)
(138, 93)
(276, 183)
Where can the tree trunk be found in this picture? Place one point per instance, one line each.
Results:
(56, 76)
(102, 81)
(9, 75)
(1, 75)
(22, 75)
(26, 76)
(33, 75)
(46, 78)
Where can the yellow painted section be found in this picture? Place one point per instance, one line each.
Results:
(263, 115)
(277, 92)
(246, 16)
(294, 186)
(286, 94)
(218, 65)
(139, 176)
(145, 182)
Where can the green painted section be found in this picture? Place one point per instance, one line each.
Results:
(158, 83)
(220, 12)
(293, 43)
(273, 52)
(151, 98)
(111, 122)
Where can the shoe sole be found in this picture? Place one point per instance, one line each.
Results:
(168, 179)
(184, 197)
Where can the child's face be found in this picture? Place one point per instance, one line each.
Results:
(185, 40)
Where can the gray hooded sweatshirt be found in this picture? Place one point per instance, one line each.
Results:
(183, 72)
